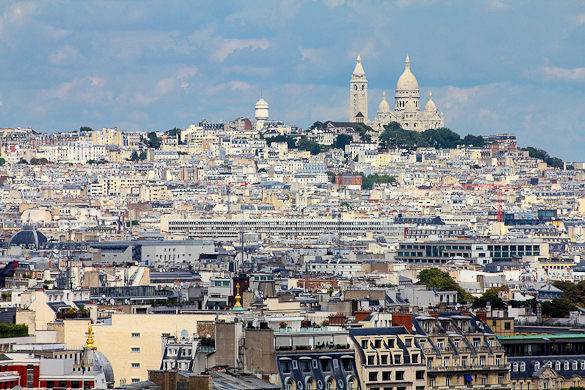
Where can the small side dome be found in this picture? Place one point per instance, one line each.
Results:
(384, 107)
(30, 238)
(431, 106)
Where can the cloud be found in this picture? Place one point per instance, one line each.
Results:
(16, 16)
(220, 48)
(580, 19)
(252, 71)
(564, 74)
(314, 56)
(228, 47)
(497, 5)
(64, 56)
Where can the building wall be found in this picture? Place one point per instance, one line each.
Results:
(116, 341)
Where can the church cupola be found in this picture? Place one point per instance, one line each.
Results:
(407, 91)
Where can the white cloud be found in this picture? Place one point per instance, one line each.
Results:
(580, 19)
(253, 71)
(64, 56)
(564, 74)
(497, 5)
(16, 15)
(220, 48)
(312, 55)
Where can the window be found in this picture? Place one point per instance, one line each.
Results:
(371, 361)
(515, 367)
(420, 374)
(386, 375)
(566, 365)
(536, 366)
(134, 380)
(522, 366)
(507, 325)
(364, 344)
(135, 365)
(372, 376)
(399, 375)
(448, 381)
(135, 334)
(135, 349)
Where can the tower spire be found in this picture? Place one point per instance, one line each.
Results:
(407, 62)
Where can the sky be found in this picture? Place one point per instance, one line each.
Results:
(492, 65)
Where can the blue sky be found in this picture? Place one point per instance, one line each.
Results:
(493, 65)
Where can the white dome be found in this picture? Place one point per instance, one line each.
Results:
(384, 107)
(261, 103)
(407, 81)
(431, 106)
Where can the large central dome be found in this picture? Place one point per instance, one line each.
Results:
(407, 81)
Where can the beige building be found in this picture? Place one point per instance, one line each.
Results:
(132, 342)
(388, 358)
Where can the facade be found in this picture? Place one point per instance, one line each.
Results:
(546, 361)
(407, 111)
(358, 94)
(388, 358)
(460, 352)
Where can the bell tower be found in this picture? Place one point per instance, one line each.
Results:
(358, 94)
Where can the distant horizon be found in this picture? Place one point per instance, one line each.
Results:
(490, 64)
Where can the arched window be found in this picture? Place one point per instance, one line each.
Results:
(522, 366)
(557, 365)
(575, 365)
(355, 87)
(566, 365)
(536, 366)
(515, 367)
(363, 87)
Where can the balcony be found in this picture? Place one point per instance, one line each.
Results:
(493, 367)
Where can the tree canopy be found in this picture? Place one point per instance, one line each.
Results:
(544, 156)
(153, 141)
(368, 181)
(442, 281)
(492, 296)
(342, 140)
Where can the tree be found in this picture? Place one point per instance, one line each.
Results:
(317, 125)
(442, 281)
(84, 129)
(174, 132)
(492, 296)
(136, 156)
(368, 181)
(39, 161)
(473, 140)
(342, 140)
(2, 161)
(540, 154)
(13, 330)
(290, 141)
(153, 141)
(558, 308)
(310, 145)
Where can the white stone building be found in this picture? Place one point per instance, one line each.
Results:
(406, 110)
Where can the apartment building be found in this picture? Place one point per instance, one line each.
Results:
(388, 358)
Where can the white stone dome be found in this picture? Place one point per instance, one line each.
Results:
(384, 107)
(261, 104)
(407, 80)
(431, 106)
